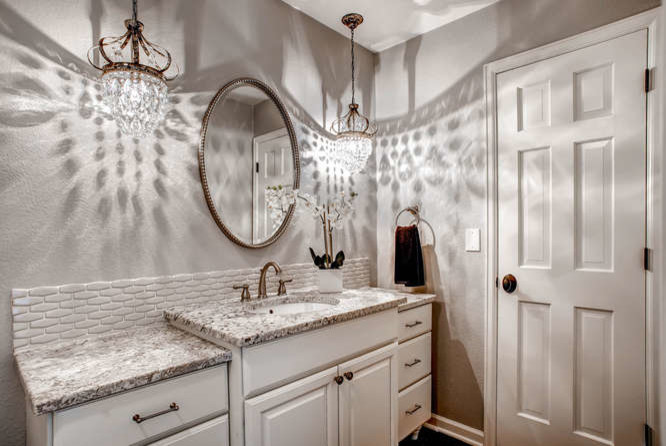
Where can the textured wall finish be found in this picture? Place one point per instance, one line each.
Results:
(49, 314)
(81, 203)
(431, 149)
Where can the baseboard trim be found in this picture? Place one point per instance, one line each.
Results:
(456, 430)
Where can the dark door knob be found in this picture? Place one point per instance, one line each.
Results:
(509, 283)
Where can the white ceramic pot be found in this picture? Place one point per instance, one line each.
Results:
(330, 280)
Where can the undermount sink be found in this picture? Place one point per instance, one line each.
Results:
(293, 307)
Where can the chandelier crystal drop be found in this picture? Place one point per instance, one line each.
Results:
(354, 132)
(134, 92)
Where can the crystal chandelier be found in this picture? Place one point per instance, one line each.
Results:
(354, 132)
(135, 92)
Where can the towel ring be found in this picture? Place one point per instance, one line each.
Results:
(414, 210)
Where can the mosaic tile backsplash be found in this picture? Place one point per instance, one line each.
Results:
(52, 313)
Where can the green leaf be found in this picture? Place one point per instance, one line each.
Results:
(339, 260)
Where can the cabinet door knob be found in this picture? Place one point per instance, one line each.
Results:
(349, 376)
(339, 380)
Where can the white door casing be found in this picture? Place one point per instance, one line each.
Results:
(571, 227)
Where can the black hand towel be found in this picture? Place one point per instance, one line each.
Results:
(408, 257)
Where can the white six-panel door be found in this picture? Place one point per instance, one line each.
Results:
(571, 225)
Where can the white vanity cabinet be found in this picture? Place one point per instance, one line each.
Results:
(333, 386)
(187, 410)
(352, 404)
(414, 367)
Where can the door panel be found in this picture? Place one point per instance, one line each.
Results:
(571, 225)
(273, 167)
(368, 401)
(304, 412)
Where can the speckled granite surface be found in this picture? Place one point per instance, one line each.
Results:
(415, 300)
(57, 376)
(234, 323)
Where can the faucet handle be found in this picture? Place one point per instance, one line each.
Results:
(282, 288)
(245, 294)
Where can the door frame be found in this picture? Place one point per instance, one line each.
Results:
(649, 20)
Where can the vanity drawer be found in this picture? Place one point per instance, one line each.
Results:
(109, 421)
(413, 407)
(414, 360)
(211, 433)
(414, 322)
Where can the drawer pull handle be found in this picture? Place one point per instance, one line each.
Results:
(413, 411)
(339, 380)
(413, 363)
(349, 376)
(139, 419)
(413, 324)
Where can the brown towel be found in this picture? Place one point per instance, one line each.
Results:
(408, 257)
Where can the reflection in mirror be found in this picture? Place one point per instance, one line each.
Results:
(248, 145)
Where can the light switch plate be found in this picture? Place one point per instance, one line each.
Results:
(472, 240)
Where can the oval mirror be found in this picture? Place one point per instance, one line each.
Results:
(248, 149)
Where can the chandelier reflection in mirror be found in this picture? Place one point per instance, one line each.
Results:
(135, 92)
(354, 132)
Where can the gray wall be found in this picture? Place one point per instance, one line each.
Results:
(82, 203)
(431, 149)
(266, 118)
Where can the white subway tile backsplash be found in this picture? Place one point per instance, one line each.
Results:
(97, 286)
(52, 313)
(43, 323)
(58, 297)
(43, 291)
(73, 288)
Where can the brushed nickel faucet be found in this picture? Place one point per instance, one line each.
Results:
(262, 278)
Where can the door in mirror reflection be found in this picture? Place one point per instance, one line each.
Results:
(273, 168)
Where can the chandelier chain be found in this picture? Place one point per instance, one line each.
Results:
(353, 67)
(134, 11)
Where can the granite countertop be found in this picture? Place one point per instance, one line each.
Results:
(58, 376)
(415, 300)
(234, 323)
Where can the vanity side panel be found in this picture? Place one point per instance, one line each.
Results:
(272, 364)
(39, 428)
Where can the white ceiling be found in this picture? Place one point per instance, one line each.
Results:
(388, 22)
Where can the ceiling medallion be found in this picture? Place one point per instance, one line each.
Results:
(135, 92)
(354, 132)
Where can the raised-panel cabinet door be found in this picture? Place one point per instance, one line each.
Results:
(369, 399)
(301, 413)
